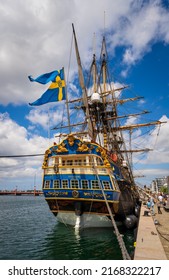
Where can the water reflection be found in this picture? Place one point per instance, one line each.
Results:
(30, 231)
(65, 243)
(77, 234)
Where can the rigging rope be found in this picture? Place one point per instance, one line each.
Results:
(157, 136)
(12, 156)
(119, 237)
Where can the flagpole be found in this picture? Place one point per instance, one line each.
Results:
(48, 126)
(67, 107)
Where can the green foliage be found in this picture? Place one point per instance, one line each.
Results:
(164, 189)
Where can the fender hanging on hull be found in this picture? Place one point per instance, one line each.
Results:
(130, 221)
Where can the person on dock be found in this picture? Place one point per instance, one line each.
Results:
(159, 206)
(160, 198)
(148, 207)
(148, 204)
(152, 205)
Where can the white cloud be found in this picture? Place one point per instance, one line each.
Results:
(14, 140)
(153, 164)
(144, 24)
(37, 36)
(146, 175)
(160, 143)
(47, 116)
(131, 120)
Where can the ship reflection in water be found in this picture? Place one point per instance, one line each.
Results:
(88, 244)
(29, 231)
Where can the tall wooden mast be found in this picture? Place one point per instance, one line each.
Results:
(84, 91)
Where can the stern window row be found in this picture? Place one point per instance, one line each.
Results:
(75, 184)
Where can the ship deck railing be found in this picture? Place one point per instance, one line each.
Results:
(75, 170)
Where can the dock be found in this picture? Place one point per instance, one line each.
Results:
(18, 193)
(148, 241)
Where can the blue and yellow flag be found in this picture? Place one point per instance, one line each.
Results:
(56, 91)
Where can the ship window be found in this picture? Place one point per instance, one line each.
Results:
(85, 184)
(47, 184)
(95, 184)
(56, 184)
(69, 162)
(65, 184)
(106, 185)
(78, 162)
(74, 184)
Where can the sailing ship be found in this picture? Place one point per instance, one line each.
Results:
(87, 175)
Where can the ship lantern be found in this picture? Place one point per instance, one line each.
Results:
(95, 97)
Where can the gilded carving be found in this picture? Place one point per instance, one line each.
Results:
(82, 147)
(44, 165)
(61, 148)
(104, 156)
(71, 140)
(106, 162)
(45, 162)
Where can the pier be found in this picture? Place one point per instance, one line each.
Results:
(18, 193)
(150, 244)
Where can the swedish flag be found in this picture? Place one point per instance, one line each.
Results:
(56, 90)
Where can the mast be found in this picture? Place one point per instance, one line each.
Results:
(103, 53)
(67, 107)
(102, 113)
(111, 123)
(94, 68)
(94, 74)
(84, 91)
(132, 126)
(130, 147)
(126, 116)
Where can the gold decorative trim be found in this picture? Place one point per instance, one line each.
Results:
(45, 162)
(104, 156)
(82, 147)
(71, 139)
(61, 148)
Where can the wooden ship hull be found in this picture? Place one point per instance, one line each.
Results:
(78, 177)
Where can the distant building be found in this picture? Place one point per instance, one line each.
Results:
(168, 183)
(158, 183)
(154, 187)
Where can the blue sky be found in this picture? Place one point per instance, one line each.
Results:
(36, 39)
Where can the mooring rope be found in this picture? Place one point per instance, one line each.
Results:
(124, 252)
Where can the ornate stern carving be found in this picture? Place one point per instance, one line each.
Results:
(71, 140)
(45, 162)
(82, 147)
(61, 148)
(104, 156)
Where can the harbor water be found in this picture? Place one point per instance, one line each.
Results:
(29, 231)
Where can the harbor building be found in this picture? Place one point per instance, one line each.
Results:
(158, 183)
